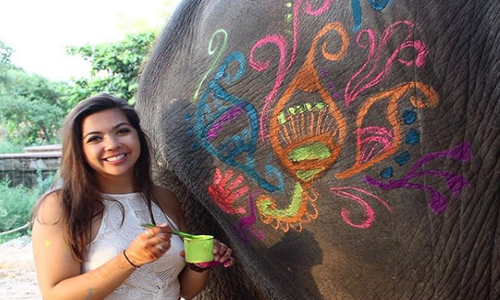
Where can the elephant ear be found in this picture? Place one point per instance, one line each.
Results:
(377, 141)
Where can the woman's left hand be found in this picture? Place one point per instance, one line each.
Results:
(222, 254)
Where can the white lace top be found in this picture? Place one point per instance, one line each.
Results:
(154, 281)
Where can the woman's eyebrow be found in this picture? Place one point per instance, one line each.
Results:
(114, 127)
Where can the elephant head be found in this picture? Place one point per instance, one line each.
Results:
(344, 149)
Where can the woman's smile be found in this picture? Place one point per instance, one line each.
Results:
(117, 159)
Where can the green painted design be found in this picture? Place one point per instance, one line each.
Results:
(292, 209)
(300, 109)
(307, 175)
(321, 105)
(281, 118)
(312, 151)
(218, 52)
(288, 4)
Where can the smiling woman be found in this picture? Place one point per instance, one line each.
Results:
(107, 191)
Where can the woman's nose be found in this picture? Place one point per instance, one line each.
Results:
(112, 142)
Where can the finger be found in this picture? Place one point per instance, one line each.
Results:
(155, 230)
(226, 177)
(217, 176)
(157, 250)
(224, 258)
(162, 239)
(229, 262)
(148, 233)
(163, 247)
(165, 228)
(216, 246)
(235, 182)
(222, 249)
(166, 245)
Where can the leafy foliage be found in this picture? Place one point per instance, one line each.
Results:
(5, 54)
(17, 204)
(114, 67)
(7, 146)
(30, 110)
(5, 64)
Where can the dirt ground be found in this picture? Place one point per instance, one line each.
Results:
(17, 271)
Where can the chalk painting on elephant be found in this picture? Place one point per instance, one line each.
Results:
(362, 134)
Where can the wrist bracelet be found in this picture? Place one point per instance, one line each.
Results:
(124, 254)
(196, 268)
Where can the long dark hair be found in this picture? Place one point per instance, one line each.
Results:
(81, 200)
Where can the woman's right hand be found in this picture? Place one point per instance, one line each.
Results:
(150, 245)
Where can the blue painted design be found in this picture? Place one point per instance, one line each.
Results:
(402, 158)
(387, 172)
(217, 109)
(412, 137)
(409, 116)
(187, 117)
(356, 10)
(195, 146)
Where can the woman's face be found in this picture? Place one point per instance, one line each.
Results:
(110, 145)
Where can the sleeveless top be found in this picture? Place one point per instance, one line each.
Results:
(154, 281)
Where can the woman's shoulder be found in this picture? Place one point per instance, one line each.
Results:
(49, 208)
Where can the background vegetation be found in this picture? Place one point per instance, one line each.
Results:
(17, 205)
(32, 108)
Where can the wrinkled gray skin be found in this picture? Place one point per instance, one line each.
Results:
(343, 149)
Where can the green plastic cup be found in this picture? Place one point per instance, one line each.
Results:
(199, 248)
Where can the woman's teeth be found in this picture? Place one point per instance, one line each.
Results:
(115, 158)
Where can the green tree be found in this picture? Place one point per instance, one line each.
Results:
(5, 64)
(30, 110)
(114, 67)
(32, 107)
(5, 54)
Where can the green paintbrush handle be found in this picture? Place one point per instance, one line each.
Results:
(176, 232)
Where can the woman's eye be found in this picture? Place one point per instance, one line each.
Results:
(123, 130)
(93, 139)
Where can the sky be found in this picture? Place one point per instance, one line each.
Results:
(40, 30)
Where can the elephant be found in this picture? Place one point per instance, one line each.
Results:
(343, 149)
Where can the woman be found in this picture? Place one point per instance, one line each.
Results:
(87, 237)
